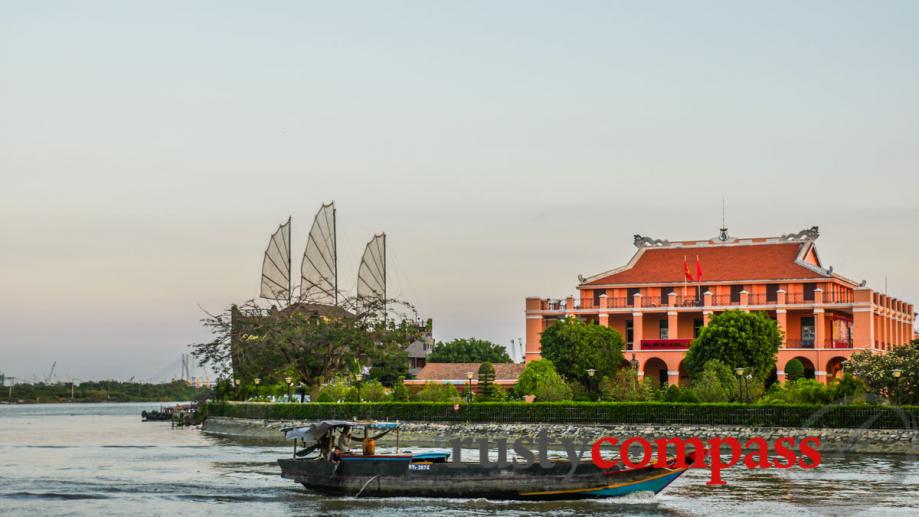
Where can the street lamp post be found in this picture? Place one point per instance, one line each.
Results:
(740, 379)
(258, 391)
(897, 373)
(590, 380)
(469, 390)
(747, 380)
(360, 378)
(289, 381)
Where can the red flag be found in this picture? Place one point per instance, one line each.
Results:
(686, 271)
(698, 269)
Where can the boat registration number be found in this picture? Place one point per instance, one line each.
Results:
(419, 466)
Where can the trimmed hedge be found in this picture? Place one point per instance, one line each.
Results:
(663, 413)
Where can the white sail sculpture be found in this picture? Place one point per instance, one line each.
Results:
(276, 266)
(371, 276)
(319, 269)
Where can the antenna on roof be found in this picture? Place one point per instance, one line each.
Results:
(723, 235)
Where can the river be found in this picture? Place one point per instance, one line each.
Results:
(98, 459)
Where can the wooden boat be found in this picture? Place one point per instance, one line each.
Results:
(431, 475)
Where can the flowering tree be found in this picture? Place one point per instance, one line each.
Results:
(878, 372)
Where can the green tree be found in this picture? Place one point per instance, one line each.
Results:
(574, 347)
(433, 392)
(794, 370)
(738, 339)
(389, 368)
(399, 391)
(539, 378)
(469, 350)
(317, 344)
(486, 382)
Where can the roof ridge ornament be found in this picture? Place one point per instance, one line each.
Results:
(642, 241)
(809, 234)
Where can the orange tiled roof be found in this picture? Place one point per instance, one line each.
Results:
(772, 261)
(457, 371)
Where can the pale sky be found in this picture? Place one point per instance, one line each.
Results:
(148, 150)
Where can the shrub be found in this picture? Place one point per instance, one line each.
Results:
(337, 390)
(672, 394)
(540, 378)
(624, 386)
(399, 391)
(687, 413)
(353, 395)
(689, 396)
(794, 370)
(372, 391)
(708, 387)
(553, 391)
(433, 392)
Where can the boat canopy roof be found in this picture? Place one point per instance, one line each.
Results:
(311, 433)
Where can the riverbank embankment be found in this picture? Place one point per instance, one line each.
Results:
(435, 434)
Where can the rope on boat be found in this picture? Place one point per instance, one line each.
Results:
(361, 491)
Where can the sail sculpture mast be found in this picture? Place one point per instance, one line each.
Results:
(371, 275)
(335, 247)
(319, 269)
(290, 279)
(276, 278)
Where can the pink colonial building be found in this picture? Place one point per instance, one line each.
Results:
(825, 316)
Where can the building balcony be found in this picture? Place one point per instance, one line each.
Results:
(665, 344)
(799, 343)
(812, 343)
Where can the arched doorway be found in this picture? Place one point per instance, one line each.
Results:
(684, 374)
(834, 368)
(808, 367)
(656, 369)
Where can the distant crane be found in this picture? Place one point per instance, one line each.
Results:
(51, 373)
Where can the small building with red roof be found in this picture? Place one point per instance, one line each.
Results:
(464, 375)
(668, 291)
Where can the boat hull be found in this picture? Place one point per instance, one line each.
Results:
(400, 477)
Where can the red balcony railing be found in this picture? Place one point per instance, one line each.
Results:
(618, 303)
(665, 344)
(688, 301)
(720, 300)
(837, 343)
(756, 299)
(799, 343)
(839, 297)
(794, 298)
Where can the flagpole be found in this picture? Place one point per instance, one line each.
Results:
(699, 280)
(685, 267)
